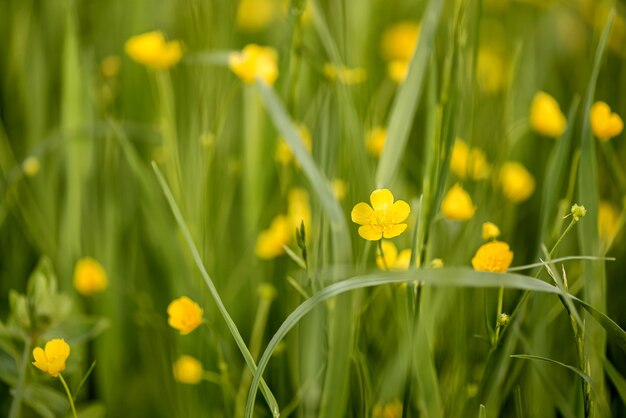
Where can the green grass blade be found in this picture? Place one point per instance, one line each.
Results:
(617, 379)
(482, 411)
(613, 330)
(232, 327)
(405, 103)
(579, 372)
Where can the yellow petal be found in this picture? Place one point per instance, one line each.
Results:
(394, 230)
(398, 212)
(370, 233)
(381, 199)
(362, 213)
(390, 254)
(404, 260)
(57, 349)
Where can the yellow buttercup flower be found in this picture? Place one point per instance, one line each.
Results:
(188, 370)
(89, 277)
(255, 62)
(493, 256)
(283, 155)
(398, 70)
(546, 117)
(391, 259)
(391, 409)
(383, 219)
(490, 231)
(517, 182)
(340, 188)
(51, 359)
(457, 204)
(298, 208)
(270, 242)
(604, 124)
(185, 315)
(399, 41)
(490, 71)
(608, 220)
(152, 50)
(468, 162)
(375, 140)
(345, 75)
(255, 15)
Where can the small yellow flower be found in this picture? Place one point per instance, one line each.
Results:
(283, 155)
(490, 71)
(375, 141)
(52, 358)
(490, 231)
(604, 124)
(270, 242)
(578, 211)
(546, 117)
(399, 41)
(188, 370)
(398, 70)
(494, 256)
(457, 204)
(345, 75)
(517, 182)
(436, 263)
(185, 315)
(391, 409)
(255, 62)
(298, 208)
(152, 50)
(267, 291)
(383, 219)
(89, 277)
(31, 166)
(391, 260)
(340, 188)
(608, 220)
(255, 15)
(468, 162)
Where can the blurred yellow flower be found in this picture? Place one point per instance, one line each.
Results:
(493, 256)
(436, 263)
(546, 117)
(51, 359)
(457, 204)
(468, 162)
(345, 75)
(188, 370)
(110, 66)
(398, 70)
(152, 50)
(608, 220)
(89, 277)
(490, 71)
(255, 15)
(340, 189)
(604, 124)
(399, 41)
(375, 140)
(383, 219)
(283, 155)
(298, 208)
(490, 231)
(270, 242)
(517, 182)
(31, 166)
(391, 260)
(391, 409)
(185, 315)
(267, 291)
(255, 62)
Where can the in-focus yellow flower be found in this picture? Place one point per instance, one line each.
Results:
(383, 219)
(398, 70)
(340, 189)
(188, 370)
(490, 231)
(89, 277)
(546, 117)
(399, 41)
(255, 15)
(457, 204)
(490, 71)
(270, 242)
(345, 75)
(375, 140)
(517, 182)
(51, 359)
(608, 220)
(255, 62)
(283, 155)
(493, 256)
(468, 162)
(436, 263)
(391, 259)
(152, 50)
(298, 208)
(391, 409)
(31, 166)
(185, 315)
(604, 124)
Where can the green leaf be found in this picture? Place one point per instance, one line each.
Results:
(617, 379)
(47, 402)
(482, 411)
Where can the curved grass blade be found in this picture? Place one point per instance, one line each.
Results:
(579, 372)
(613, 330)
(232, 327)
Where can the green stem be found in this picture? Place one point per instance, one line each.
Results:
(16, 405)
(69, 395)
(499, 312)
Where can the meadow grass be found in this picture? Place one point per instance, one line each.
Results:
(135, 174)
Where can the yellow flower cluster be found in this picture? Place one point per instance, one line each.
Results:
(255, 62)
(188, 370)
(466, 162)
(546, 117)
(457, 204)
(375, 141)
(89, 277)
(152, 50)
(494, 256)
(185, 315)
(51, 359)
(490, 231)
(383, 219)
(391, 259)
(516, 181)
(397, 46)
(604, 124)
